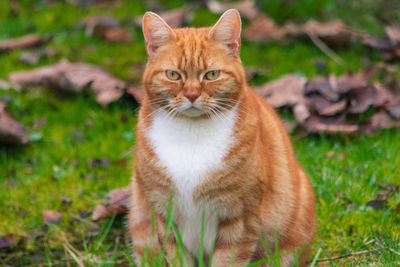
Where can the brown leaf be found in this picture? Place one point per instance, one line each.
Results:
(394, 111)
(98, 21)
(330, 125)
(11, 131)
(325, 107)
(332, 32)
(301, 112)
(389, 45)
(289, 125)
(51, 216)
(330, 154)
(24, 41)
(65, 200)
(285, 91)
(33, 57)
(117, 35)
(74, 77)
(398, 208)
(377, 204)
(361, 99)
(136, 92)
(378, 121)
(174, 18)
(118, 202)
(246, 8)
(264, 29)
(7, 241)
(106, 27)
(393, 34)
(324, 87)
(350, 81)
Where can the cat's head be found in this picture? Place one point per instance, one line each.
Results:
(193, 72)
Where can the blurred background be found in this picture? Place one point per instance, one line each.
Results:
(70, 89)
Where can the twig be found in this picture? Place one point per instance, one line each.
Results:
(346, 255)
(324, 48)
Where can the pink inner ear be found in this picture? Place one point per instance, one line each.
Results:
(156, 32)
(227, 30)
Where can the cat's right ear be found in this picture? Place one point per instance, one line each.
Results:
(156, 32)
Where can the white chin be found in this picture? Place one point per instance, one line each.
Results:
(192, 112)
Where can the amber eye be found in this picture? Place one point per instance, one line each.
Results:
(212, 75)
(173, 75)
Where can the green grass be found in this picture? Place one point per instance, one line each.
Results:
(57, 163)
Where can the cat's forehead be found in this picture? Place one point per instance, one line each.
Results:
(192, 33)
(192, 49)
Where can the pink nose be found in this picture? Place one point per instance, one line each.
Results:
(192, 96)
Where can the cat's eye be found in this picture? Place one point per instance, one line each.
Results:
(211, 75)
(173, 75)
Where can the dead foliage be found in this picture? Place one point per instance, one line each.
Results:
(106, 27)
(117, 202)
(75, 77)
(7, 241)
(30, 40)
(389, 45)
(381, 200)
(246, 8)
(33, 57)
(11, 131)
(331, 104)
(175, 18)
(51, 216)
(334, 32)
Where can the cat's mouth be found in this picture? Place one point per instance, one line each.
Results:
(192, 112)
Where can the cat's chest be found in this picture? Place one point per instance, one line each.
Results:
(189, 150)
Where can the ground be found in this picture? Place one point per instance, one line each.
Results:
(84, 150)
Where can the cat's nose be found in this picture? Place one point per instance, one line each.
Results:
(192, 95)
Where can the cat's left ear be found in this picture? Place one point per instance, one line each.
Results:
(156, 32)
(227, 30)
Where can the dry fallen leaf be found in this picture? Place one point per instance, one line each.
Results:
(389, 44)
(377, 204)
(333, 32)
(330, 125)
(74, 77)
(117, 35)
(11, 131)
(285, 91)
(106, 27)
(51, 216)
(264, 29)
(136, 92)
(30, 40)
(246, 8)
(33, 57)
(7, 241)
(118, 202)
(289, 125)
(394, 111)
(380, 120)
(175, 18)
(325, 104)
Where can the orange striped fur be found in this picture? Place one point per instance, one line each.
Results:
(244, 177)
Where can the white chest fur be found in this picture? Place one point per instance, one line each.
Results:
(189, 149)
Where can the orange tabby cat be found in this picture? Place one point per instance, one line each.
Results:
(204, 135)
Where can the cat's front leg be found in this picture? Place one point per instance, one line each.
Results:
(175, 255)
(144, 239)
(235, 245)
